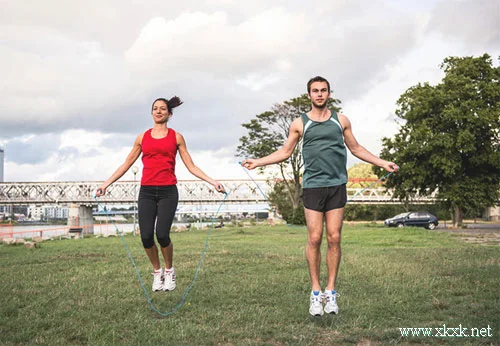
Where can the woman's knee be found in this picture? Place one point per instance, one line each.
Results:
(164, 241)
(147, 242)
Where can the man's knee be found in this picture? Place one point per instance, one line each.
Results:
(333, 239)
(314, 241)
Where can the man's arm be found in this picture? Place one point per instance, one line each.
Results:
(361, 152)
(281, 154)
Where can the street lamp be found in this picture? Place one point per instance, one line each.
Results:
(134, 170)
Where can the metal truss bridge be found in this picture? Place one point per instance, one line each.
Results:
(191, 192)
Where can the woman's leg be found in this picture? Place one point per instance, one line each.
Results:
(167, 206)
(147, 216)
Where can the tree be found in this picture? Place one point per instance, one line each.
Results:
(362, 175)
(269, 131)
(449, 139)
(279, 197)
(361, 170)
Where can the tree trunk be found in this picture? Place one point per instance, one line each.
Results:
(457, 215)
(292, 192)
(297, 194)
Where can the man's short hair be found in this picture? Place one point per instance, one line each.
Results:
(316, 79)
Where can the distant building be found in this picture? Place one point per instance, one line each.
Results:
(2, 152)
(35, 212)
(46, 212)
(55, 212)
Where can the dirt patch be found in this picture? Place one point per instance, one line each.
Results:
(483, 236)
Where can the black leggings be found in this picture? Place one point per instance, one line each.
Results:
(157, 204)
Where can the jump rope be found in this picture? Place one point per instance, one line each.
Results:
(183, 299)
(349, 200)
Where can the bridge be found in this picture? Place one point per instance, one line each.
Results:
(191, 192)
(195, 196)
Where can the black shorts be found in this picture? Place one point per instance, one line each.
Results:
(324, 199)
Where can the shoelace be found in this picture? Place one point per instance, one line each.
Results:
(172, 275)
(157, 277)
(325, 296)
(317, 298)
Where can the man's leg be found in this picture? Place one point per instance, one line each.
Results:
(333, 232)
(314, 220)
(334, 219)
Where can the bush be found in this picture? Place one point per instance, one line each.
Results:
(280, 199)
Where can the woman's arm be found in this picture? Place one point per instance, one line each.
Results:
(124, 167)
(192, 168)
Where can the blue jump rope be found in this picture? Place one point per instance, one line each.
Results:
(139, 274)
(205, 247)
(349, 200)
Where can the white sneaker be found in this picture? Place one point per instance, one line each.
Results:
(315, 307)
(169, 282)
(331, 306)
(158, 280)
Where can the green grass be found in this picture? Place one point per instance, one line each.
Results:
(253, 289)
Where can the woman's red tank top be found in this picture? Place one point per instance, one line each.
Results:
(158, 158)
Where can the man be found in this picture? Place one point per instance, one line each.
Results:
(325, 135)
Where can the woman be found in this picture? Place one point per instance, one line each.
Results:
(158, 196)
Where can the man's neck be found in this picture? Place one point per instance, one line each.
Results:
(319, 113)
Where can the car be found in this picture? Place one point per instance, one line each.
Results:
(413, 218)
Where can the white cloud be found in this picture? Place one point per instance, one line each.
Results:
(56, 79)
(475, 22)
(209, 42)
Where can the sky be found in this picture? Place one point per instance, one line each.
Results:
(78, 78)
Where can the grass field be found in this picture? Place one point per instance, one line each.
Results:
(253, 289)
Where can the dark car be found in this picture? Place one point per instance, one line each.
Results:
(414, 218)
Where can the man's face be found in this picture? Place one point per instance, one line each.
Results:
(319, 94)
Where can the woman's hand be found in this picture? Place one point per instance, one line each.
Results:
(219, 187)
(101, 191)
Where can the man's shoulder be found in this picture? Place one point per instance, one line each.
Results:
(297, 125)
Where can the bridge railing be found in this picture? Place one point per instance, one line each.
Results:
(190, 191)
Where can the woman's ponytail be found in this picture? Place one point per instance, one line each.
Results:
(173, 102)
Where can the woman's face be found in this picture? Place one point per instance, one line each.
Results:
(160, 112)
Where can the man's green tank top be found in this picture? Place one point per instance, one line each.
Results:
(324, 152)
